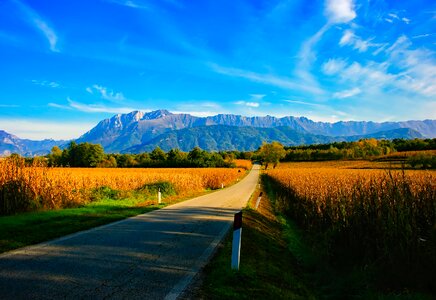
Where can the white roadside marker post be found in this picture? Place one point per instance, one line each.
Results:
(236, 244)
(159, 197)
(258, 200)
(222, 185)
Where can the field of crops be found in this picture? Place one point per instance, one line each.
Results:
(28, 188)
(373, 215)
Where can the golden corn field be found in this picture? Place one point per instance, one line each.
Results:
(377, 215)
(243, 163)
(49, 188)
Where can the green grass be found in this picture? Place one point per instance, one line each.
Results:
(267, 268)
(30, 228)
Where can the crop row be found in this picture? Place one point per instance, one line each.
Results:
(28, 188)
(375, 215)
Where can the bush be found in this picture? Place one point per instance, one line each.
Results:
(165, 187)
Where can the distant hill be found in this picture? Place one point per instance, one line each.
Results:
(218, 137)
(125, 131)
(10, 143)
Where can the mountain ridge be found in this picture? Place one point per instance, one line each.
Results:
(124, 131)
(221, 137)
(139, 130)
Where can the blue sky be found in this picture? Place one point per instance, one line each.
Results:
(65, 65)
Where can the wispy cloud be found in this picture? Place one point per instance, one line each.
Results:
(333, 66)
(420, 36)
(257, 97)
(38, 129)
(94, 108)
(46, 83)
(405, 70)
(33, 18)
(249, 104)
(273, 80)
(351, 39)
(106, 93)
(305, 103)
(130, 3)
(347, 93)
(340, 11)
(394, 16)
(336, 11)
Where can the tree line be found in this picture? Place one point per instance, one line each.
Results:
(93, 155)
(362, 149)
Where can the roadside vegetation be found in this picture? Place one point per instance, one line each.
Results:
(268, 270)
(25, 229)
(331, 230)
(378, 228)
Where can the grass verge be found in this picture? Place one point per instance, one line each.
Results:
(30, 228)
(267, 269)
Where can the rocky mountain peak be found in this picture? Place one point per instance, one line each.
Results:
(156, 114)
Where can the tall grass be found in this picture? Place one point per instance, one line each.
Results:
(31, 188)
(386, 219)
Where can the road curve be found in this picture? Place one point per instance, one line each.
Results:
(150, 256)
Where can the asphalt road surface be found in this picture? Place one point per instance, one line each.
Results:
(150, 256)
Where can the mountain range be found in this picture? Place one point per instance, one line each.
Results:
(138, 131)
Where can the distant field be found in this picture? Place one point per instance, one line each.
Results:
(339, 164)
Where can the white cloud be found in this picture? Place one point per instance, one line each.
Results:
(305, 103)
(388, 20)
(98, 108)
(349, 38)
(32, 17)
(371, 74)
(249, 104)
(394, 16)
(347, 93)
(406, 20)
(257, 97)
(130, 3)
(423, 35)
(94, 108)
(333, 66)
(405, 71)
(52, 84)
(106, 94)
(37, 129)
(281, 82)
(340, 11)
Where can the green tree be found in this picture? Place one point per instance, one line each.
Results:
(176, 157)
(55, 157)
(158, 155)
(271, 153)
(85, 154)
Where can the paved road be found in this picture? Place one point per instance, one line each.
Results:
(150, 256)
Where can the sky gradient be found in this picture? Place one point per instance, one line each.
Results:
(65, 65)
